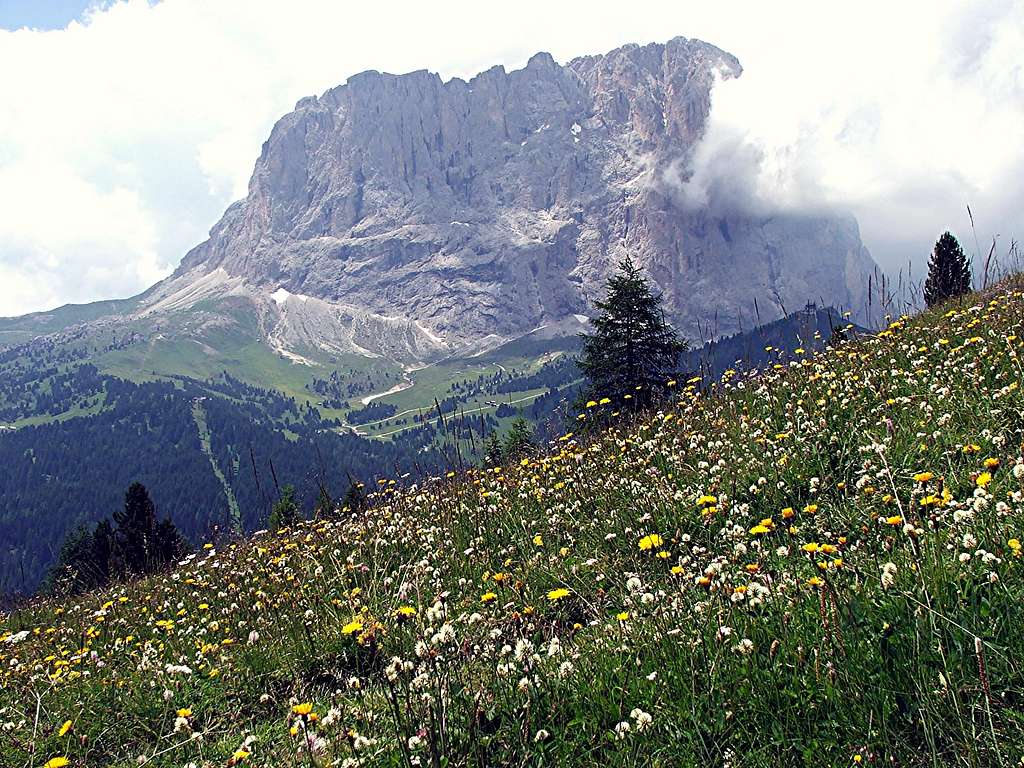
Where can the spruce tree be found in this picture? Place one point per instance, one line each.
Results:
(73, 572)
(355, 498)
(632, 351)
(324, 509)
(949, 271)
(493, 452)
(103, 543)
(168, 545)
(519, 443)
(286, 512)
(136, 529)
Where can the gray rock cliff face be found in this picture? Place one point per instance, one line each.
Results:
(412, 217)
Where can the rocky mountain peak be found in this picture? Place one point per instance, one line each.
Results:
(467, 212)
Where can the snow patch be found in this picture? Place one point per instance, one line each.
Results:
(582, 318)
(429, 334)
(400, 387)
(281, 295)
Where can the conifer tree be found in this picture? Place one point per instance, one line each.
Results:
(73, 573)
(136, 529)
(168, 545)
(103, 543)
(949, 271)
(519, 443)
(493, 451)
(355, 498)
(285, 512)
(324, 509)
(633, 350)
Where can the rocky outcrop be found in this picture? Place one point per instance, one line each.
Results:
(423, 216)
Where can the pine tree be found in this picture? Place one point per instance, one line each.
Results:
(519, 443)
(632, 351)
(286, 512)
(949, 271)
(136, 529)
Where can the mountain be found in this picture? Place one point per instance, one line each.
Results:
(410, 218)
(407, 274)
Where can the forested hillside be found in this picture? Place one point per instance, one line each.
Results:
(174, 437)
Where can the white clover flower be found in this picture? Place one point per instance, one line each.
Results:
(888, 575)
(643, 719)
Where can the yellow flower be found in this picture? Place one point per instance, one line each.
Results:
(538, 540)
(707, 500)
(302, 709)
(623, 616)
(811, 509)
(1014, 545)
(650, 541)
(352, 627)
(760, 530)
(487, 597)
(788, 513)
(984, 479)
(558, 594)
(923, 477)
(591, 403)
(814, 581)
(894, 520)
(183, 712)
(406, 610)
(64, 728)
(56, 762)
(810, 547)
(991, 463)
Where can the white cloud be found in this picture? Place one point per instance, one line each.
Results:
(124, 136)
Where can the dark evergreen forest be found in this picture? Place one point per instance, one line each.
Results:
(62, 475)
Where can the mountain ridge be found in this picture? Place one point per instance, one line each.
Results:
(429, 218)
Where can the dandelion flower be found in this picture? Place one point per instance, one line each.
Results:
(558, 594)
(650, 542)
(352, 627)
(64, 728)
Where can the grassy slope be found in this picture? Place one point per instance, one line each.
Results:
(22, 328)
(756, 629)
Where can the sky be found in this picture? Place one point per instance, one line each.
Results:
(128, 126)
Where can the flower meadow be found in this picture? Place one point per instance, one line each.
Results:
(817, 565)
